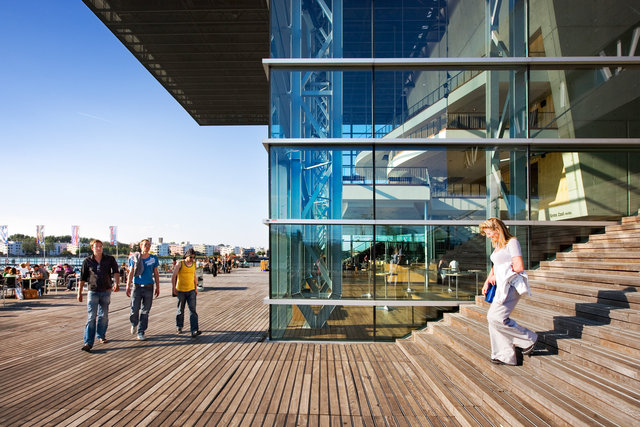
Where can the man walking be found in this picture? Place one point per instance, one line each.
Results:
(184, 284)
(143, 272)
(97, 270)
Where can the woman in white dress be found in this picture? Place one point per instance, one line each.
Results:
(511, 281)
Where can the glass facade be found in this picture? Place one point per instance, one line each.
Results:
(379, 175)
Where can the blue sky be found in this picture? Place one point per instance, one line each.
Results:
(88, 137)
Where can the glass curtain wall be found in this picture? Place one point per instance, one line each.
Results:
(372, 238)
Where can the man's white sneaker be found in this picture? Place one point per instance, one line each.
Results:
(141, 337)
(134, 329)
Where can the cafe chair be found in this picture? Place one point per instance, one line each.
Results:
(7, 284)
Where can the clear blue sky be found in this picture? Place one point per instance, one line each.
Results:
(88, 137)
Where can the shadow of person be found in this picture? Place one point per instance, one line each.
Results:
(588, 314)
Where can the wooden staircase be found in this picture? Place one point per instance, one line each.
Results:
(586, 368)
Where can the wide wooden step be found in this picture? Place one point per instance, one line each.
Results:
(551, 403)
(483, 389)
(454, 399)
(619, 317)
(606, 335)
(624, 227)
(588, 279)
(612, 360)
(629, 268)
(619, 297)
(570, 377)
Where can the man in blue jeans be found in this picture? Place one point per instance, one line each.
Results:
(143, 273)
(97, 271)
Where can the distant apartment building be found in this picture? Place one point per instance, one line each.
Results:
(160, 249)
(11, 248)
(58, 248)
(226, 250)
(206, 250)
(175, 249)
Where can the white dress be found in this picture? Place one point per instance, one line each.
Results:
(504, 332)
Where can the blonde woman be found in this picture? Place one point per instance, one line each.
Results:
(511, 281)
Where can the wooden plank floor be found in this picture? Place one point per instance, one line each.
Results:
(228, 376)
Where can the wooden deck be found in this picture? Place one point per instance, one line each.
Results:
(229, 375)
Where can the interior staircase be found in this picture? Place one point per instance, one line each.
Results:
(585, 370)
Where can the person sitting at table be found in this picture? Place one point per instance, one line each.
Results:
(14, 276)
(41, 275)
(23, 269)
(69, 274)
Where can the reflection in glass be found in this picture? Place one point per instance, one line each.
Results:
(322, 261)
(321, 104)
(321, 183)
(450, 104)
(415, 262)
(583, 27)
(430, 183)
(599, 103)
(585, 185)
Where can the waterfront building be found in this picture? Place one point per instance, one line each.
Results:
(11, 248)
(395, 128)
(175, 249)
(226, 250)
(160, 249)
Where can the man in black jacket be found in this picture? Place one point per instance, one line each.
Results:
(97, 270)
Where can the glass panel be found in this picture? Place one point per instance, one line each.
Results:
(507, 189)
(433, 263)
(450, 104)
(321, 183)
(584, 27)
(544, 242)
(601, 103)
(321, 104)
(430, 183)
(321, 261)
(585, 185)
(448, 28)
(343, 323)
(397, 322)
(318, 29)
(407, 29)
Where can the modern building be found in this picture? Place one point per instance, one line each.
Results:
(395, 128)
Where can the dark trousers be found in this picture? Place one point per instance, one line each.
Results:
(188, 298)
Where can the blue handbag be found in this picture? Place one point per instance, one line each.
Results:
(491, 292)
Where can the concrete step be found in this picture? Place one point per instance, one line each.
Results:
(574, 379)
(454, 399)
(558, 406)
